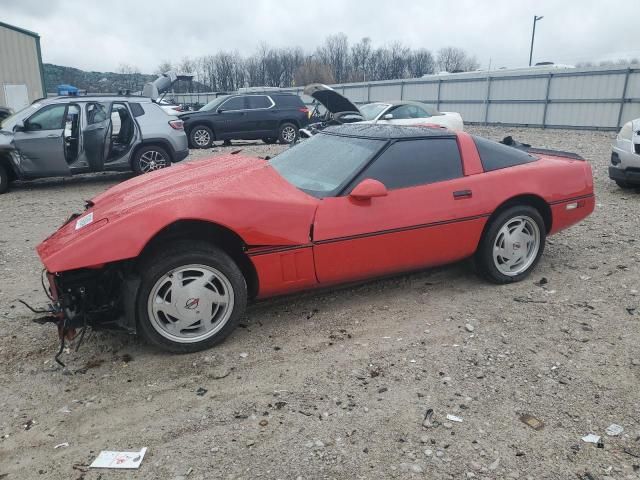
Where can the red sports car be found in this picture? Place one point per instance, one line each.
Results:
(175, 255)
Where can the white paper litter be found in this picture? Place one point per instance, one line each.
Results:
(109, 459)
(591, 438)
(614, 430)
(61, 445)
(453, 418)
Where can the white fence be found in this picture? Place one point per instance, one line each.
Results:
(595, 98)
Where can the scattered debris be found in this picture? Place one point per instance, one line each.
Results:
(61, 445)
(453, 418)
(244, 355)
(541, 282)
(201, 391)
(591, 438)
(427, 422)
(263, 423)
(532, 421)
(111, 459)
(614, 430)
(28, 424)
(469, 327)
(65, 409)
(527, 300)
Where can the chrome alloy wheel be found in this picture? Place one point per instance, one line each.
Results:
(152, 160)
(516, 245)
(288, 134)
(201, 137)
(190, 303)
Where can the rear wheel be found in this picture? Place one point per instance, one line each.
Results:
(288, 133)
(4, 179)
(150, 158)
(201, 136)
(191, 297)
(270, 140)
(511, 245)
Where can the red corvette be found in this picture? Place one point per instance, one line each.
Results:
(175, 255)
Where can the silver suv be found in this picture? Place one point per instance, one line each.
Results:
(63, 136)
(625, 157)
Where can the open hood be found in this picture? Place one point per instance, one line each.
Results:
(329, 98)
(162, 84)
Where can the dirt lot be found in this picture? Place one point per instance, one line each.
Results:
(336, 384)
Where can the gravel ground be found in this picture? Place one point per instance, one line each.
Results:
(336, 384)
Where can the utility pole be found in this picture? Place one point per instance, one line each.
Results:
(533, 36)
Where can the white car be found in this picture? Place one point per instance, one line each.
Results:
(170, 108)
(405, 112)
(625, 157)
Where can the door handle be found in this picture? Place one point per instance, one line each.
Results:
(52, 135)
(460, 194)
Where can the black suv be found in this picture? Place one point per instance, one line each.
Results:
(270, 116)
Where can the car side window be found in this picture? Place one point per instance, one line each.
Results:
(495, 156)
(407, 163)
(404, 112)
(255, 102)
(235, 103)
(96, 113)
(49, 118)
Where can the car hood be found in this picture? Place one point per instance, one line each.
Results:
(243, 194)
(329, 98)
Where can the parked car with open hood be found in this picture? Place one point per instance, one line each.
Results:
(176, 256)
(270, 115)
(625, 157)
(65, 135)
(339, 110)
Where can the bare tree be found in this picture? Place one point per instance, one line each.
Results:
(335, 53)
(131, 78)
(421, 62)
(164, 67)
(453, 59)
(360, 53)
(312, 71)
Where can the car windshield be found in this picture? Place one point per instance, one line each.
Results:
(213, 104)
(372, 110)
(10, 121)
(322, 165)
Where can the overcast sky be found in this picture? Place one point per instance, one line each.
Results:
(100, 35)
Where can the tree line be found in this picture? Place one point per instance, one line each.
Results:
(334, 61)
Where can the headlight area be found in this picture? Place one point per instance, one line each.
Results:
(97, 298)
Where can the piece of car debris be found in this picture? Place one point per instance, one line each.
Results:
(427, 422)
(201, 391)
(614, 430)
(532, 421)
(453, 418)
(61, 445)
(591, 438)
(28, 424)
(112, 459)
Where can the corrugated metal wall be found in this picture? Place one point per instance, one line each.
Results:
(597, 98)
(19, 62)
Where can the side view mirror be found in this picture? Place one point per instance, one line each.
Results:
(368, 189)
(387, 116)
(19, 126)
(220, 110)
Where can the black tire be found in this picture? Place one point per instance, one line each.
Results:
(484, 259)
(150, 158)
(4, 179)
(200, 136)
(183, 253)
(270, 140)
(284, 136)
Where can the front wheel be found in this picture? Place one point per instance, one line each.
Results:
(150, 158)
(288, 133)
(200, 137)
(511, 245)
(191, 297)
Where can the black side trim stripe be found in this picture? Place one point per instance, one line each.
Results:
(573, 199)
(401, 229)
(265, 251)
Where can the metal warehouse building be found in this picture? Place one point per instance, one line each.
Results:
(21, 73)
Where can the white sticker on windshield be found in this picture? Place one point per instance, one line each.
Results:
(84, 221)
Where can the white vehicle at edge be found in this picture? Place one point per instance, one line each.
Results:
(625, 157)
(404, 112)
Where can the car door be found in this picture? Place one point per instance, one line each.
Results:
(40, 142)
(233, 118)
(262, 118)
(428, 217)
(96, 134)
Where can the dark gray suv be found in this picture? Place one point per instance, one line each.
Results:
(63, 136)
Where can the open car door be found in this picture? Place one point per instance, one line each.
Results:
(97, 134)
